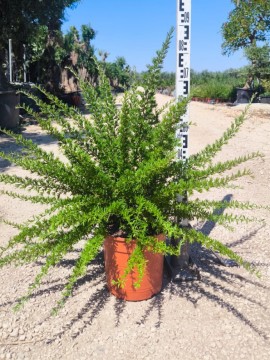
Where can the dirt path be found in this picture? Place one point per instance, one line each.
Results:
(226, 315)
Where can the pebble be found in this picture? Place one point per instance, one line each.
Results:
(20, 357)
(15, 332)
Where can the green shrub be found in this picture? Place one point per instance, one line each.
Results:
(120, 174)
(266, 86)
(216, 84)
(214, 90)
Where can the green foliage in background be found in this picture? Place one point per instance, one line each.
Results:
(216, 85)
(118, 72)
(248, 23)
(248, 28)
(259, 68)
(24, 21)
(119, 173)
(213, 90)
(80, 43)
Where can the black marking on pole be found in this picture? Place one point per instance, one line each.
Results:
(186, 87)
(185, 17)
(181, 5)
(181, 60)
(183, 46)
(186, 32)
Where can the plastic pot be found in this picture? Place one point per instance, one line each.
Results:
(9, 115)
(265, 99)
(243, 96)
(116, 254)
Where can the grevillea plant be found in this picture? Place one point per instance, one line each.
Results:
(119, 174)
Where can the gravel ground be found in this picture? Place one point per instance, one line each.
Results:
(225, 315)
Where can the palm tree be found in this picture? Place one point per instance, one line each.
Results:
(103, 55)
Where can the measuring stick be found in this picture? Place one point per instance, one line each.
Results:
(180, 264)
(183, 69)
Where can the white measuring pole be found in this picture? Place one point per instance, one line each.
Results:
(180, 264)
(182, 89)
(10, 59)
(24, 63)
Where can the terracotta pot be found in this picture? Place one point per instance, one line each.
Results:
(116, 253)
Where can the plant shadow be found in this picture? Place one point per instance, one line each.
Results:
(8, 144)
(216, 277)
(219, 285)
(216, 282)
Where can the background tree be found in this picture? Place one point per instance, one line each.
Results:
(21, 21)
(71, 40)
(103, 55)
(259, 68)
(167, 79)
(86, 58)
(118, 72)
(80, 53)
(248, 26)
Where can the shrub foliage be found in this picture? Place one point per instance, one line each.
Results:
(119, 173)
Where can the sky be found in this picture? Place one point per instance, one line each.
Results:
(136, 29)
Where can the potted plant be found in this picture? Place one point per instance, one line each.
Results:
(9, 99)
(120, 181)
(265, 98)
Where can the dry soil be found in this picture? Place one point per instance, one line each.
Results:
(225, 315)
